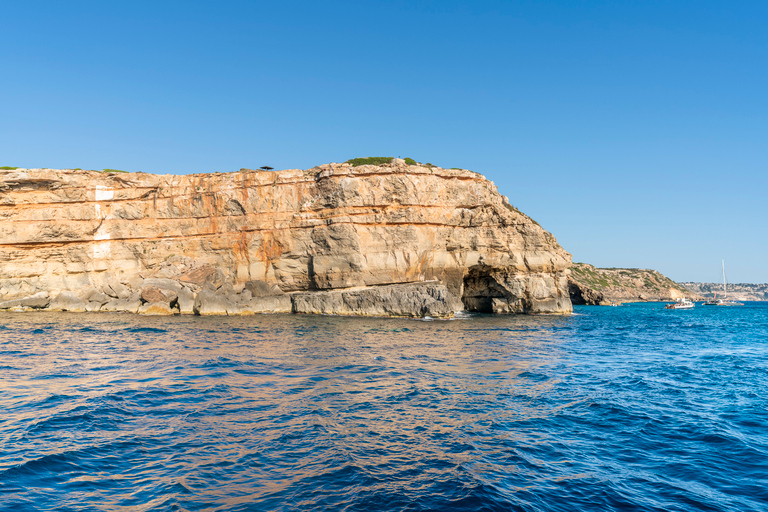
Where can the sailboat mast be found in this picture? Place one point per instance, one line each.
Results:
(725, 291)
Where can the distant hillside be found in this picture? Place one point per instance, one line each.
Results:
(740, 291)
(592, 285)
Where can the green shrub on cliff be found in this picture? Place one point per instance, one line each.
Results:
(8, 168)
(113, 170)
(370, 160)
(411, 161)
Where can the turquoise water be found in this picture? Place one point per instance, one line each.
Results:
(628, 408)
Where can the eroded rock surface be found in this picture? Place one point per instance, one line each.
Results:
(404, 300)
(333, 227)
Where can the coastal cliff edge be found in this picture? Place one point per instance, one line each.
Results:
(332, 239)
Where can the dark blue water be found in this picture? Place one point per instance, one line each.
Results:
(629, 408)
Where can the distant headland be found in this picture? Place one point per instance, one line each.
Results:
(606, 286)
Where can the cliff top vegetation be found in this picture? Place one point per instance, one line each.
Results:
(381, 160)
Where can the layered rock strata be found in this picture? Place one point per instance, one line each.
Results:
(101, 239)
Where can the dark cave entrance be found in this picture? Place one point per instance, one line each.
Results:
(480, 288)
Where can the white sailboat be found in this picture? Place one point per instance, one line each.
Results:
(724, 301)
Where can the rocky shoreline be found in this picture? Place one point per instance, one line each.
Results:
(384, 240)
(207, 296)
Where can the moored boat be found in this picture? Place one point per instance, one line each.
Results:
(724, 301)
(681, 303)
(713, 301)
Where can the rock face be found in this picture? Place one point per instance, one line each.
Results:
(38, 301)
(333, 227)
(409, 300)
(582, 294)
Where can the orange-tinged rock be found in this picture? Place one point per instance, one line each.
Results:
(331, 227)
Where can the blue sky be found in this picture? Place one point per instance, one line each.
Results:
(636, 132)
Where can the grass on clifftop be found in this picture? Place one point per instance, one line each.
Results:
(8, 168)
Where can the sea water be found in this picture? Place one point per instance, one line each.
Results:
(623, 408)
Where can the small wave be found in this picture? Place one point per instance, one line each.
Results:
(51, 463)
(55, 399)
(103, 417)
(221, 362)
(136, 330)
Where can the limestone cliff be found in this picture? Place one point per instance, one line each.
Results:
(596, 286)
(327, 228)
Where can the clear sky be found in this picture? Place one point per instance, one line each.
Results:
(635, 131)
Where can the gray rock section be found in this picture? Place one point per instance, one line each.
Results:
(256, 297)
(93, 306)
(68, 301)
(498, 292)
(39, 300)
(238, 309)
(130, 304)
(208, 303)
(416, 300)
(98, 297)
(117, 291)
(186, 301)
(272, 304)
(262, 297)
